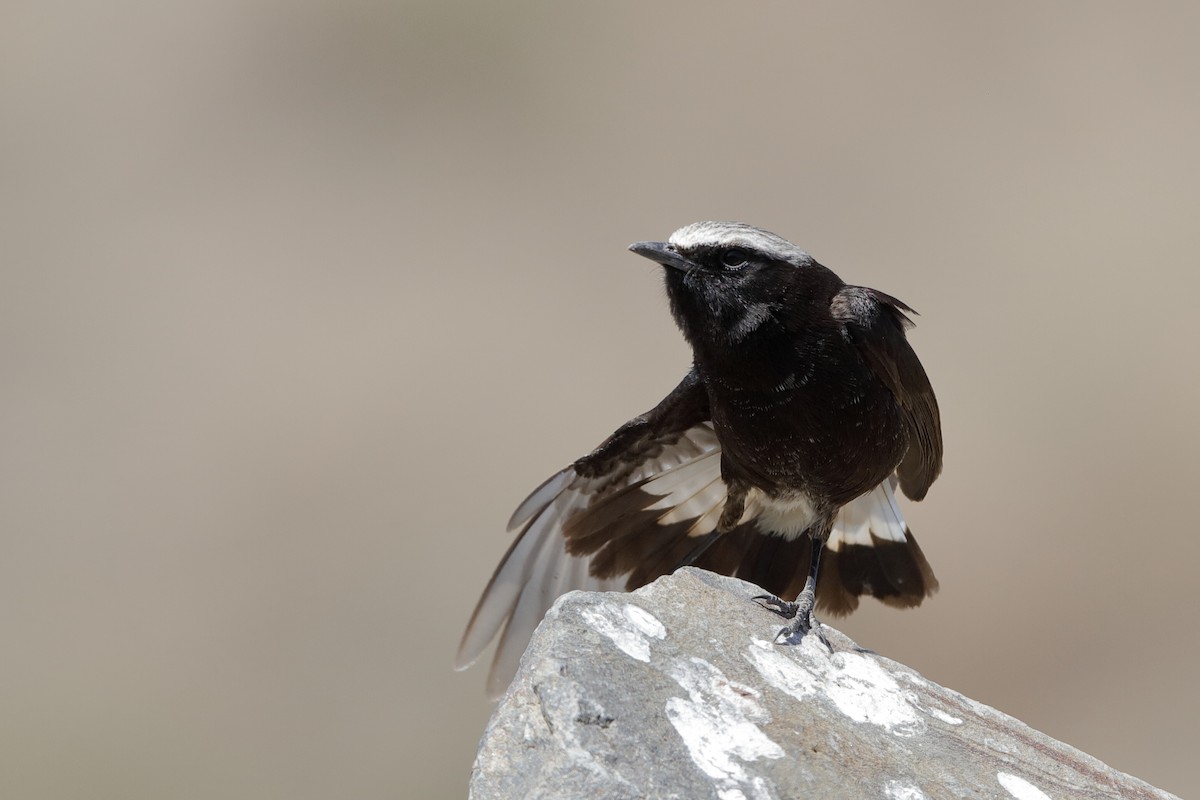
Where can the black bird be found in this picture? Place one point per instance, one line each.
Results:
(804, 408)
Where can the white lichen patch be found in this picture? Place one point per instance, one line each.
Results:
(865, 692)
(779, 671)
(936, 713)
(718, 723)
(897, 790)
(630, 628)
(856, 684)
(645, 622)
(1020, 788)
(942, 716)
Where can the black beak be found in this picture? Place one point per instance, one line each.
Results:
(663, 253)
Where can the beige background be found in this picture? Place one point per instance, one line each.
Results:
(300, 299)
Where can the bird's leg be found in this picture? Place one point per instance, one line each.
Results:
(735, 506)
(800, 612)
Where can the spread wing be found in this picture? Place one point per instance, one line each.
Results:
(603, 524)
(876, 324)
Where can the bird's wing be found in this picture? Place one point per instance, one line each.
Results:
(876, 323)
(623, 515)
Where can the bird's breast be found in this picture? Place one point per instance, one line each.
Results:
(827, 440)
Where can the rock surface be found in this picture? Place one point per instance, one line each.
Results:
(677, 691)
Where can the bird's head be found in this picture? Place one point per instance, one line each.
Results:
(727, 281)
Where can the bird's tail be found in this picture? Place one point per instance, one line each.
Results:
(872, 552)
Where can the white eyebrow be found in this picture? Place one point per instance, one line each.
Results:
(736, 234)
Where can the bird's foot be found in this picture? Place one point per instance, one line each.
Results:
(803, 621)
(801, 626)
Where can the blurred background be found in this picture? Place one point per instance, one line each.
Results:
(300, 299)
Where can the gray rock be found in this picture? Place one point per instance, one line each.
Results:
(678, 691)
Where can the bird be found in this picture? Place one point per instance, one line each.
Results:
(775, 460)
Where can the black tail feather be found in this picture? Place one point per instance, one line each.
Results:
(895, 573)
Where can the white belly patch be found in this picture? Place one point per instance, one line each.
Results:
(788, 516)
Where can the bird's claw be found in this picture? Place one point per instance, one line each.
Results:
(799, 629)
(802, 619)
(783, 608)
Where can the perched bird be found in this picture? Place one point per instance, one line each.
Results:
(804, 408)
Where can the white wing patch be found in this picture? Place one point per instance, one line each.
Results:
(685, 481)
(699, 506)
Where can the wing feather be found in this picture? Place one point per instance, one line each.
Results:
(663, 457)
(876, 322)
(544, 562)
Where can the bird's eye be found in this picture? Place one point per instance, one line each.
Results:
(734, 258)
